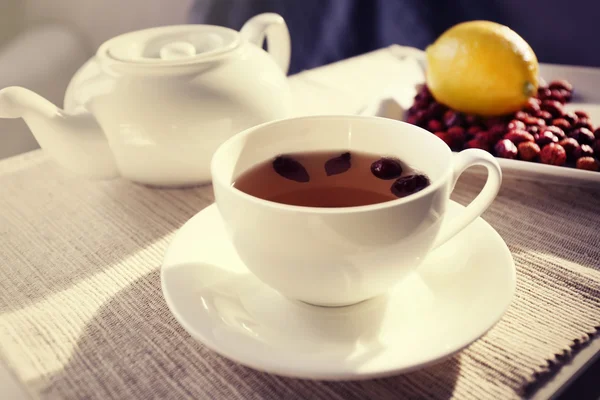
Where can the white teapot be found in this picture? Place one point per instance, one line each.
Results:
(153, 105)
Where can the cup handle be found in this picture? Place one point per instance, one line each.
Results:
(273, 27)
(463, 160)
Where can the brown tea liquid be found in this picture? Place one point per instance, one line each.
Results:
(320, 179)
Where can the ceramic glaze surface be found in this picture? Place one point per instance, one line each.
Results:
(340, 256)
(154, 105)
(459, 292)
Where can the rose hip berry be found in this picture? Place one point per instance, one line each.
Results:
(583, 151)
(544, 93)
(582, 135)
(473, 130)
(588, 163)
(410, 184)
(506, 149)
(553, 154)
(532, 106)
(570, 117)
(546, 137)
(534, 121)
(553, 107)
(445, 137)
(559, 133)
(562, 124)
(291, 169)
(596, 147)
(452, 118)
(560, 84)
(528, 151)
(477, 143)
(583, 123)
(518, 136)
(338, 165)
(521, 115)
(570, 145)
(434, 125)
(386, 168)
(545, 115)
(515, 124)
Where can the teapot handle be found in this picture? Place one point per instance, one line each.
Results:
(273, 27)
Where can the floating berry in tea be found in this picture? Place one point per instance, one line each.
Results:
(291, 169)
(338, 165)
(410, 184)
(386, 168)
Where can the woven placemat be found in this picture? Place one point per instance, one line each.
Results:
(82, 314)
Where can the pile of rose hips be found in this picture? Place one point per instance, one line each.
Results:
(542, 131)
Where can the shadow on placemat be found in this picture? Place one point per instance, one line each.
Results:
(62, 231)
(133, 348)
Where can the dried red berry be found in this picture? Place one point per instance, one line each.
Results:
(544, 93)
(408, 185)
(562, 124)
(564, 96)
(588, 163)
(518, 136)
(477, 144)
(532, 106)
(545, 138)
(387, 168)
(473, 130)
(553, 154)
(291, 169)
(570, 145)
(559, 133)
(582, 114)
(553, 107)
(597, 134)
(506, 149)
(582, 135)
(521, 115)
(596, 147)
(583, 151)
(528, 151)
(571, 117)
(534, 121)
(338, 165)
(560, 84)
(445, 137)
(434, 125)
(436, 110)
(453, 118)
(471, 120)
(583, 123)
(496, 132)
(545, 115)
(457, 134)
(515, 124)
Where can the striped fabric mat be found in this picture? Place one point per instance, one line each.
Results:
(82, 314)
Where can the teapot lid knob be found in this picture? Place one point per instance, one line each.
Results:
(177, 50)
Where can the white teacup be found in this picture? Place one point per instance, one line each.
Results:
(341, 256)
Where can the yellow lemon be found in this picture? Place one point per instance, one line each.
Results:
(482, 67)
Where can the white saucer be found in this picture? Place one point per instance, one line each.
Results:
(461, 290)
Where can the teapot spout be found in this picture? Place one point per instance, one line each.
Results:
(75, 141)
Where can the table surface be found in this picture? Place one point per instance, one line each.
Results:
(337, 97)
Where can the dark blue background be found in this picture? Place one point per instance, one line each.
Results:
(324, 31)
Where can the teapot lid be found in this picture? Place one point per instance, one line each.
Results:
(170, 45)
